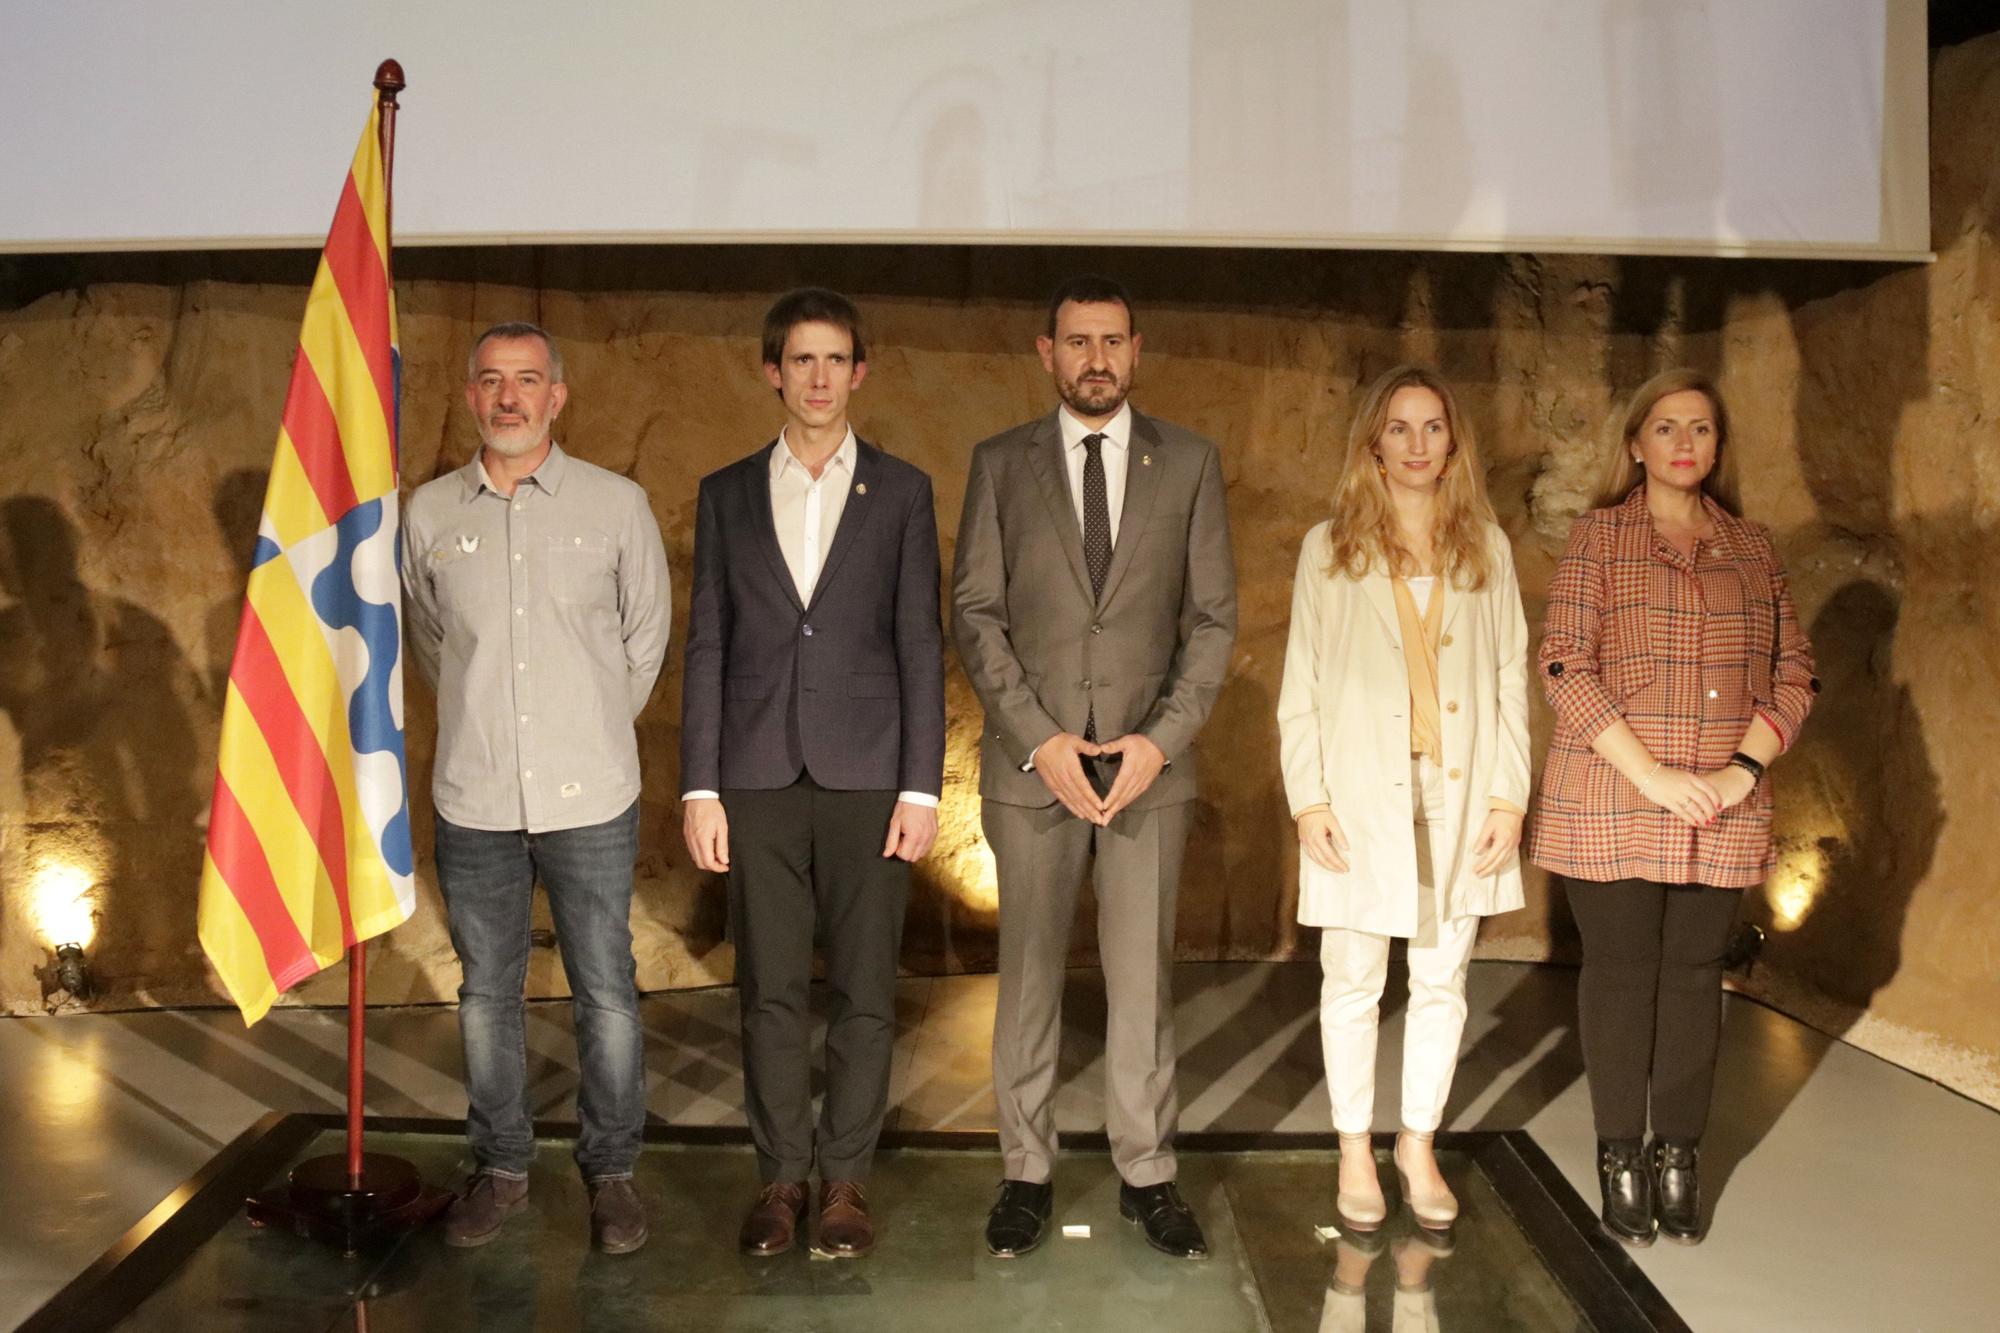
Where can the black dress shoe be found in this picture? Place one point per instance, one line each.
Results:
(1165, 1218)
(1676, 1191)
(1627, 1189)
(1020, 1218)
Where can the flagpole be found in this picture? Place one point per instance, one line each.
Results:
(388, 82)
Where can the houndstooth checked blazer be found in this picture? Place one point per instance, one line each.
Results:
(1688, 653)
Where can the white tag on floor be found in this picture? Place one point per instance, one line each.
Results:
(1327, 1233)
(1076, 1231)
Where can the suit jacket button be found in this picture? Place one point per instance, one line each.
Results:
(1445, 642)
(807, 631)
(1097, 629)
(1451, 707)
(1086, 684)
(1555, 668)
(1454, 775)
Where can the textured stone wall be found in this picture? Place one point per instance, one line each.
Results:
(141, 395)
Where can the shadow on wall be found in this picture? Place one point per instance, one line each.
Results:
(99, 693)
(1858, 807)
(238, 508)
(1867, 755)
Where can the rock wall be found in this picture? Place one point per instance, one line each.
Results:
(142, 395)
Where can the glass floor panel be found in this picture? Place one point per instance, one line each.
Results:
(1524, 1254)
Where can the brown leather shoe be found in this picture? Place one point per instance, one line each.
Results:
(486, 1201)
(617, 1217)
(773, 1222)
(844, 1229)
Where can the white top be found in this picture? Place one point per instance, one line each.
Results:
(806, 509)
(1420, 591)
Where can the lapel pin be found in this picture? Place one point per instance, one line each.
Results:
(861, 488)
(468, 543)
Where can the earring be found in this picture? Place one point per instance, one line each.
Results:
(1381, 469)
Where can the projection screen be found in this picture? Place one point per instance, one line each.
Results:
(1734, 127)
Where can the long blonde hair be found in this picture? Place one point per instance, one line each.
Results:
(1621, 472)
(1363, 534)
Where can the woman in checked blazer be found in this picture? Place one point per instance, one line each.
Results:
(1677, 669)
(1403, 720)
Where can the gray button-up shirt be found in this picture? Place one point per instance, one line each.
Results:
(541, 621)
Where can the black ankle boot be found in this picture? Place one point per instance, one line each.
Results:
(1627, 1190)
(1676, 1190)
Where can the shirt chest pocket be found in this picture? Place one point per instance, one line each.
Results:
(580, 569)
(467, 579)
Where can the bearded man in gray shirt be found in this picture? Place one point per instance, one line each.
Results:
(538, 609)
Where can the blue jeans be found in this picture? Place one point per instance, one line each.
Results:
(488, 880)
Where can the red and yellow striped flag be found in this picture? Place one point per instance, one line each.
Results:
(309, 835)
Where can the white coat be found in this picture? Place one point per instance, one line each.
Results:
(1344, 738)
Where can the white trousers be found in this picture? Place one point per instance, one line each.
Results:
(1354, 965)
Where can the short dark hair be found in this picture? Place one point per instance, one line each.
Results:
(1090, 289)
(809, 305)
(509, 331)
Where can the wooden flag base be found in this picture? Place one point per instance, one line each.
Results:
(323, 1202)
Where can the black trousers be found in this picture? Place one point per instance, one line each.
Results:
(806, 861)
(1649, 1003)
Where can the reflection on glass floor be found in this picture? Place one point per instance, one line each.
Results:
(1270, 1268)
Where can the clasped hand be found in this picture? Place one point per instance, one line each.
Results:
(1059, 764)
(1697, 799)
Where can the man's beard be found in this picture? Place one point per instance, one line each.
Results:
(1096, 398)
(513, 441)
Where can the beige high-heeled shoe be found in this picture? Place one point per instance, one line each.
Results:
(1368, 1210)
(1434, 1211)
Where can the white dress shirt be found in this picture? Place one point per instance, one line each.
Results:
(806, 512)
(806, 509)
(1116, 449)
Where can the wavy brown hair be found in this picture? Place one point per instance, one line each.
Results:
(1621, 472)
(1363, 535)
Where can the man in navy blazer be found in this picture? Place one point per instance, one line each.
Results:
(812, 756)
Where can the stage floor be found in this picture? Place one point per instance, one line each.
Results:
(1846, 1195)
(1524, 1254)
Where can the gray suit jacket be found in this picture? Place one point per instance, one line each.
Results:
(1149, 656)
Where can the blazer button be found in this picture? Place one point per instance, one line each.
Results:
(1451, 707)
(1086, 684)
(1454, 775)
(1097, 629)
(807, 631)
(1555, 668)
(1445, 642)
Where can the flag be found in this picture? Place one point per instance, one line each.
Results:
(309, 832)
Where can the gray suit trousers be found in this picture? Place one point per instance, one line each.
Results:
(1040, 856)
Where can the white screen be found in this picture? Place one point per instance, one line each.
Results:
(1678, 126)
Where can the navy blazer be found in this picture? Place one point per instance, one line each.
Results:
(847, 686)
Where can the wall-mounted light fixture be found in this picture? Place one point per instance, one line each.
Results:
(73, 970)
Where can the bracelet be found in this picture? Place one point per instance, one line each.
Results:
(1647, 781)
(1748, 765)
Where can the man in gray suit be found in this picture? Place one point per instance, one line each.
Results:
(1094, 606)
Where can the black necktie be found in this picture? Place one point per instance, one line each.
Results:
(1096, 515)
(1096, 535)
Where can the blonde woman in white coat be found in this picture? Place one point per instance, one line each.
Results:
(1403, 720)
